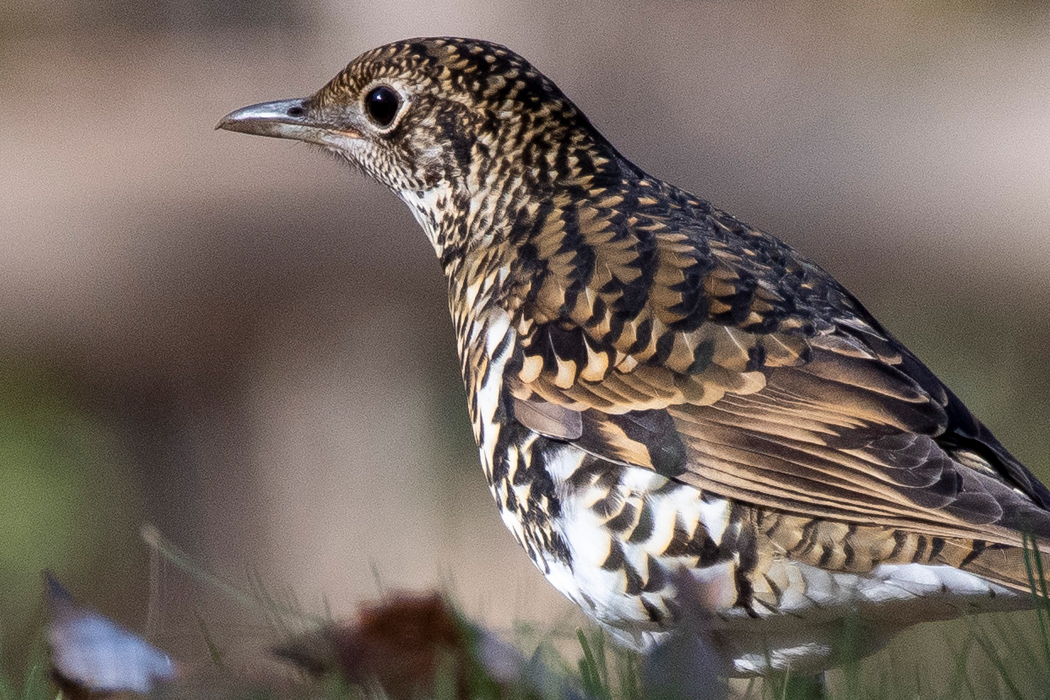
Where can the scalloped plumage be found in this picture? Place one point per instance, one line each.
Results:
(654, 384)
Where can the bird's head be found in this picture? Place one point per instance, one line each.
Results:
(444, 123)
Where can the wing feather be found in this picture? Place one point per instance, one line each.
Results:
(716, 355)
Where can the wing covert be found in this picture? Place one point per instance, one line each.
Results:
(688, 343)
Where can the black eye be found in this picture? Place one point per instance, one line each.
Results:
(381, 104)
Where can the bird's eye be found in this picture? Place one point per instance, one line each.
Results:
(381, 104)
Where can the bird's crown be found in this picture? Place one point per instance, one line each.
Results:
(478, 74)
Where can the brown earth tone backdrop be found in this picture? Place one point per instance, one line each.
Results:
(246, 344)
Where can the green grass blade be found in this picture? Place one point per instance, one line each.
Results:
(590, 677)
(1033, 563)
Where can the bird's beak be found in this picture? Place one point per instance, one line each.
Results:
(285, 119)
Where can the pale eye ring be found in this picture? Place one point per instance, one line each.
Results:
(381, 105)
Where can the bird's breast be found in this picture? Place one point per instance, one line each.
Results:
(512, 456)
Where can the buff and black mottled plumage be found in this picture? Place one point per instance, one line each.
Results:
(654, 384)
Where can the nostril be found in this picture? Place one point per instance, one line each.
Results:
(296, 111)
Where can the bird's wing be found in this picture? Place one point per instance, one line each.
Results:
(687, 343)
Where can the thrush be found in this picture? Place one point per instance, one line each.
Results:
(655, 385)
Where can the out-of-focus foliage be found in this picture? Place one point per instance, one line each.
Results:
(68, 497)
(409, 646)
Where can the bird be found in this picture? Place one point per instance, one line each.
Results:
(655, 386)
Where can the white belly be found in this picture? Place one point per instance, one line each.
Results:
(799, 634)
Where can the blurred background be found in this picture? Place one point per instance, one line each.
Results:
(247, 345)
